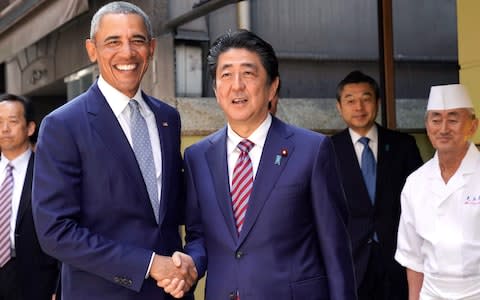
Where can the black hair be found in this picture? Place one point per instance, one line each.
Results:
(244, 39)
(358, 77)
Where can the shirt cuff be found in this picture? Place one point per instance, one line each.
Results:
(150, 265)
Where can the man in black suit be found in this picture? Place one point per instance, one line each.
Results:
(374, 198)
(26, 272)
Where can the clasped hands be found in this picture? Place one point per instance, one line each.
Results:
(176, 274)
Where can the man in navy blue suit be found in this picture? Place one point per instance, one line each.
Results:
(107, 209)
(265, 208)
(374, 212)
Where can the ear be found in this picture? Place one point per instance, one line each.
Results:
(31, 128)
(91, 50)
(273, 88)
(473, 128)
(152, 45)
(339, 107)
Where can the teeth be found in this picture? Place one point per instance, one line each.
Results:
(126, 67)
(239, 100)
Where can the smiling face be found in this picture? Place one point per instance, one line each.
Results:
(243, 90)
(122, 51)
(358, 106)
(449, 130)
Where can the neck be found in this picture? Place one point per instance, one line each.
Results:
(12, 154)
(449, 162)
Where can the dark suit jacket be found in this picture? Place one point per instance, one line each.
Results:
(397, 157)
(37, 272)
(91, 205)
(294, 242)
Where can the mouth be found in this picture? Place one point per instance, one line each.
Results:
(239, 101)
(126, 67)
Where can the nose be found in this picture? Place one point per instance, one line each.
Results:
(444, 127)
(238, 83)
(358, 105)
(127, 49)
(4, 126)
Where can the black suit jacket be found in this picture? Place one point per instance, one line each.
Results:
(37, 271)
(397, 157)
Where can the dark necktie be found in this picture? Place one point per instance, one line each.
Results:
(142, 148)
(6, 192)
(242, 183)
(369, 168)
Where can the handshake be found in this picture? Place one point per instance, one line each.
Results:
(176, 274)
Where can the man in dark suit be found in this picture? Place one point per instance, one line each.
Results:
(107, 178)
(26, 272)
(265, 208)
(373, 201)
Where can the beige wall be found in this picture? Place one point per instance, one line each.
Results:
(469, 50)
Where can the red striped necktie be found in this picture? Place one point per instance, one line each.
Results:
(242, 183)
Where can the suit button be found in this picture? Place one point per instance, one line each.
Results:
(238, 254)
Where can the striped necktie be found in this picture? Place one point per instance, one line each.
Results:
(6, 191)
(242, 183)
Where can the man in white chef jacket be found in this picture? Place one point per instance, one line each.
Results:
(439, 232)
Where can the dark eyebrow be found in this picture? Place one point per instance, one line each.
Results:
(117, 37)
(140, 36)
(111, 38)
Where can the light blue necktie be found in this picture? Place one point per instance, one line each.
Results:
(369, 168)
(143, 152)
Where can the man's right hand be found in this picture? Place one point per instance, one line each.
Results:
(176, 274)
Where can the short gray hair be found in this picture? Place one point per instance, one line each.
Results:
(119, 7)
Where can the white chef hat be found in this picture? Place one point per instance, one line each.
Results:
(448, 96)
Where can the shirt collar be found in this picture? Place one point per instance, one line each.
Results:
(18, 162)
(117, 100)
(258, 137)
(372, 134)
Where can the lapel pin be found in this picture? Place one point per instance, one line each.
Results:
(165, 124)
(278, 159)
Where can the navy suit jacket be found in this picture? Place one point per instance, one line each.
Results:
(294, 243)
(37, 272)
(397, 157)
(91, 204)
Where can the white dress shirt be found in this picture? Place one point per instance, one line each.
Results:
(19, 171)
(118, 102)
(258, 137)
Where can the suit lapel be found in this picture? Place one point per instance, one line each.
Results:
(216, 157)
(268, 172)
(26, 197)
(383, 159)
(109, 131)
(351, 169)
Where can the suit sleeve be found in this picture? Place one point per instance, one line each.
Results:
(414, 159)
(195, 242)
(57, 208)
(330, 211)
